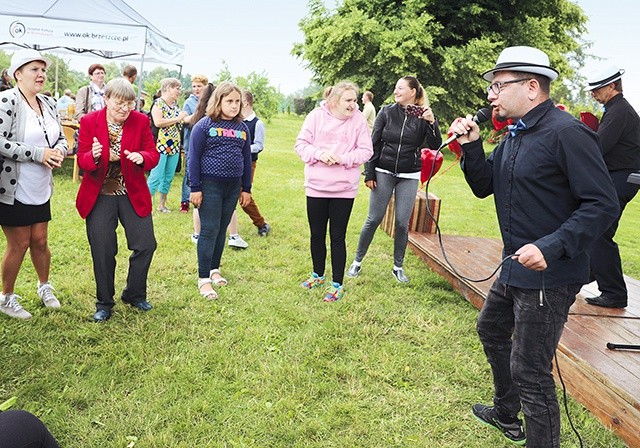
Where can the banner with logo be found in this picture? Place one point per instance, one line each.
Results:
(51, 33)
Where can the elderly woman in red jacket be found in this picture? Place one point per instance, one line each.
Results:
(115, 148)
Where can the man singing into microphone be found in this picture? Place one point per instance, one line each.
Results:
(553, 197)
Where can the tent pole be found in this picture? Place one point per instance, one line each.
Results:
(140, 83)
(56, 94)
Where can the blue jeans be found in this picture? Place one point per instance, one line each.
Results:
(219, 200)
(186, 190)
(520, 337)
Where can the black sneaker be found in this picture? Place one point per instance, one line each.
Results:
(489, 416)
(264, 229)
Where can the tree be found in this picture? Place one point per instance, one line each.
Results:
(445, 44)
(266, 97)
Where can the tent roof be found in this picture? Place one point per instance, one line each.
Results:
(109, 28)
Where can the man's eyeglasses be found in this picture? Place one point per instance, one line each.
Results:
(497, 87)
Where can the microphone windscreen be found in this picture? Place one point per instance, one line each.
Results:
(482, 115)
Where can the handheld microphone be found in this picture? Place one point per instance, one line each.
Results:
(481, 116)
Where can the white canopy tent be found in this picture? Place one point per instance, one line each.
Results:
(107, 28)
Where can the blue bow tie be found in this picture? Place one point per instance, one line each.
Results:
(515, 128)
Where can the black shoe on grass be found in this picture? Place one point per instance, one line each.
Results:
(489, 416)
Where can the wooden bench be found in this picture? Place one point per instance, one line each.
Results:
(606, 382)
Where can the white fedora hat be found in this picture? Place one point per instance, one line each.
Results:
(522, 59)
(603, 76)
(24, 56)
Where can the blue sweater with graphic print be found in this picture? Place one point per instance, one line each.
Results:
(219, 151)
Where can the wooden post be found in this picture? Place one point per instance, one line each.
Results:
(420, 220)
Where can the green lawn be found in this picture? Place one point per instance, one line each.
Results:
(268, 364)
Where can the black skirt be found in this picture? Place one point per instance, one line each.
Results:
(19, 214)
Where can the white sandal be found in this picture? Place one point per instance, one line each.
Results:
(221, 281)
(210, 295)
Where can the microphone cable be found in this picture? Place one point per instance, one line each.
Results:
(439, 233)
(543, 294)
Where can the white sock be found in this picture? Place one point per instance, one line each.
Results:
(233, 237)
(357, 263)
(396, 268)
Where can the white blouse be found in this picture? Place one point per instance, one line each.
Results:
(34, 181)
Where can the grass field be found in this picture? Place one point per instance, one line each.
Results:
(268, 364)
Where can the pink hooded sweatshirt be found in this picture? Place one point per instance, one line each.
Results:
(348, 138)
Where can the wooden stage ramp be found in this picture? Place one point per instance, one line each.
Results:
(607, 382)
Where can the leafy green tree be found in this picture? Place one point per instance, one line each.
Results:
(266, 97)
(446, 44)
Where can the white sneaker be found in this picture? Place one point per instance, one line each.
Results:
(354, 270)
(194, 238)
(9, 305)
(45, 291)
(237, 241)
(400, 275)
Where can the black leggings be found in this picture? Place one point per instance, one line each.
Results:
(20, 429)
(335, 211)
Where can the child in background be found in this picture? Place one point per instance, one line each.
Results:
(219, 172)
(333, 143)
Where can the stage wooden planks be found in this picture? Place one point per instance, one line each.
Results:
(607, 382)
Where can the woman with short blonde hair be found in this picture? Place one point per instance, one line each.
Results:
(169, 119)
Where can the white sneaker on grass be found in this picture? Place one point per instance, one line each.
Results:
(10, 306)
(399, 274)
(238, 242)
(45, 292)
(354, 269)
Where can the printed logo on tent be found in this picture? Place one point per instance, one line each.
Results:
(17, 29)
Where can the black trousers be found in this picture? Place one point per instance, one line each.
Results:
(101, 231)
(606, 266)
(335, 212)
(21, 429)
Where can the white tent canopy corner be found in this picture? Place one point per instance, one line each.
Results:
(109, 29)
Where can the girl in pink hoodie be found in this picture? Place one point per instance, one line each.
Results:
(333, 143)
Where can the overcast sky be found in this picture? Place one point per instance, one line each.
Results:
(258, 36)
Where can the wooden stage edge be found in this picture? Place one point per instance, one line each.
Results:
(606, 382)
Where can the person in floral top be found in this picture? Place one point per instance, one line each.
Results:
(169, 119)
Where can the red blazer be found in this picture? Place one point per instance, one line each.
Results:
(136, 137)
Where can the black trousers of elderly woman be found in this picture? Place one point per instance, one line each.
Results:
(21, 429)
(101, 232)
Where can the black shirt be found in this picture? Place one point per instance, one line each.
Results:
(551, 188)
(619, 133)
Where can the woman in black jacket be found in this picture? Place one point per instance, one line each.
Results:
(401, 130)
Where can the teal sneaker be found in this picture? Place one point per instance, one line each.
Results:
(314, 281)
(334, 292)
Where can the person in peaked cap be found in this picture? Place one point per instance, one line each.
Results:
(619, 133)
(553, 197)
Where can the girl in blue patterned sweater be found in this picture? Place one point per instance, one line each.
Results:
(219, 172)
